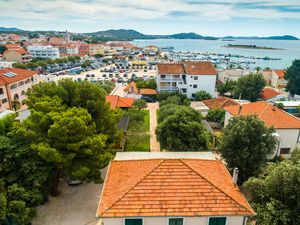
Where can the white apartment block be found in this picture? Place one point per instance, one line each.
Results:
(187, 78)
(41, 51)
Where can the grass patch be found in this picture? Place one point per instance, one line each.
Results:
(139, 121)
(139, 143)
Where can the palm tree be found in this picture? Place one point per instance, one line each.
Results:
(257, 69)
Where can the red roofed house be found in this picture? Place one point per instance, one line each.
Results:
(286, 125)
(15, 53)
(270, 94)
(119, 102)
(277, 79)
(14, 83)
(187, 77)
(170, 189)
(219, 103)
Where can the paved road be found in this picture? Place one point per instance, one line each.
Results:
(76, 205)
(154, 144)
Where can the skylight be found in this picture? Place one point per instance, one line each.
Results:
(10, 74)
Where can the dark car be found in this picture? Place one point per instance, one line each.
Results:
(148, 99)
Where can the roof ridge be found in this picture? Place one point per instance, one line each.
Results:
(129, 189)
(215, 185)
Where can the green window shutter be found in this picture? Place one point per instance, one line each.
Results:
(217, 221)
(133, 222)
(176, 221)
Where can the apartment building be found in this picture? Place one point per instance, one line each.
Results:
(40, 51)
(14, 83)
(15, 53)
(187, 77)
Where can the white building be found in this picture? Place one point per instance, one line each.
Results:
(5, 64)
(41, 51)
(168, 188)
(232, 74)
(286, 125)
(187, 77)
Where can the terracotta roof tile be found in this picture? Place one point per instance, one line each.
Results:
(280, 73)
(170, 187)
(131, 88)
(269, 92)
(21, 74)
(271, 115)
(219, 103)
(119, 102)
(147, 91)
(190, 68)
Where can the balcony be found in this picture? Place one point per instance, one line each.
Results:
(168, 88)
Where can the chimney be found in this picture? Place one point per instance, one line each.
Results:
(235, 175)
(240, 109)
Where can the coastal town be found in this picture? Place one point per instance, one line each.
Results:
(100, 130)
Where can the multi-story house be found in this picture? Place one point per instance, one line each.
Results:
(95, 49)
(84, 49)
(168, 188)
(15, 53)
(14, 84)
(232, 75)
(275, 78)
(287, 126)
(187, 77)
(40, 51)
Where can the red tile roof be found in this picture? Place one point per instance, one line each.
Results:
(131, 88)
(269, 92)
(21, 74)
(147, 91)
(119, 102)
(190, 68)
(170, 187)
(280, 73)
(219, 103)
(271, 115)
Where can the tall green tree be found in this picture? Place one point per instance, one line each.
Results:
(250, 87)
(216, 115)
(202, 95)
(228, 86)
(292, 75)
(2, 49)
(275, 194)
(183, 130)
(246, 144)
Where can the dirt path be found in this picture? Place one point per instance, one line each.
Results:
(154, 145)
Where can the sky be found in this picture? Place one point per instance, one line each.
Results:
(213, 18)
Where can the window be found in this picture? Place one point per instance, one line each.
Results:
(21, 83)
(285, 151)
(1, 91)
(193, 95)
(184, 90)
(162, 76)
(13, 86)
(176, 221)
(195, 86)
(4, 100)
(27, 81)
(217, 221)
(133, 221)
(195, 77)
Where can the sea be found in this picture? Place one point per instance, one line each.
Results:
(290, 49)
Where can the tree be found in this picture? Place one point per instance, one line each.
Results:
(228, 86)
(246, 144)
(275, 193)
(177, 99)
(216, 115)
(140, 104)
(98, 55)
(183, 131)
(202, 95)
(71, 128)
(257, 69)
(146, 84)
(292, 75)
(3, 48)
(280, 105)
(250, 87)
(16, 105)
(6, 123)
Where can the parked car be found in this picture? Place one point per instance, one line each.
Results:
(148, 99)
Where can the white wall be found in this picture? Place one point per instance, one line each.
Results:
(232, 220)
(204, 83)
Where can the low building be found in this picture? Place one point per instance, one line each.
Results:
(275, 78)
(187, 77)
(15, 53)
(232, 74)
(200, 107)
(292, 107)
(270, 94)
(14, 84)
(220, 103)
(41, 51)
(119, 102)
(95, 49)
(5, 64)
(286, 125)
(168, 188)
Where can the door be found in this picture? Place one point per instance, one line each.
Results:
(217, 221)
(133, 222)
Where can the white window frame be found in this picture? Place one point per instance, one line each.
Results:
(133, 218)
(226, 223)
(175, 217)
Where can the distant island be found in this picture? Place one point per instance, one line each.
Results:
(129, 35)
(251, 47)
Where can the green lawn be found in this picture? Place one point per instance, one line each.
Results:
(137, 135)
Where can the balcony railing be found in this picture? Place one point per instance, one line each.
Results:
(168, 88)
